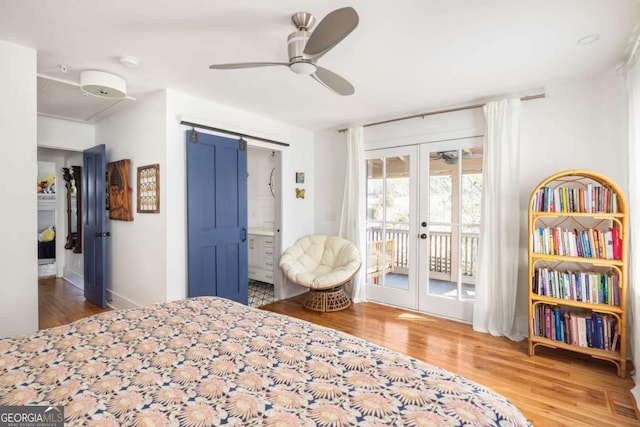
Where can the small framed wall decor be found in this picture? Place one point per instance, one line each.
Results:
(119, 190)
(299, 177)
(149, 189)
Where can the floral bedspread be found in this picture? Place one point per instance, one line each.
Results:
(210, 361)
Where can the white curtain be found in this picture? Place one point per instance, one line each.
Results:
(633, 292)
(497, 280)
(353, 212)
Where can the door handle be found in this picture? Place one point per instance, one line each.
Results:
(243, 234)
(423, 235)
(104, 234)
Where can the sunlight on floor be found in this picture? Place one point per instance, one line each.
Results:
(410, 316)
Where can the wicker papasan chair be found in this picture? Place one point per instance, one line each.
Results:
(324, 264)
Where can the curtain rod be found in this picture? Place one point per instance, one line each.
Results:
(450, 110)
(230, 132)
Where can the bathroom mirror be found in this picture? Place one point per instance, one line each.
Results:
(73, 179)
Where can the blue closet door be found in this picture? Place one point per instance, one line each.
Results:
(94, 225)
(217, 216)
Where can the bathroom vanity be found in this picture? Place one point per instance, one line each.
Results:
(261, 255)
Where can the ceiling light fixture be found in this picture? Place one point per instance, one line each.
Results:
(591, 38)
(303, 67)
(104, 85)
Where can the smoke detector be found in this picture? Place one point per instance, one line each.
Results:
(102, 84)
(129, 61)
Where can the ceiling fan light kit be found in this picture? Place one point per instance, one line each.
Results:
(306, 48)
(102, 84)
(303, 67)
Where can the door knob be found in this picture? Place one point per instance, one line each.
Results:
(424, 223)
(105, 234)
(423, 235)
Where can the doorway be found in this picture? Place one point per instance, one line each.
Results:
(67, 273)
(263, 195)
(423, 221)
(52, 210)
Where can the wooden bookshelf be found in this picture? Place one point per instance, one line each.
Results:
(577, 223)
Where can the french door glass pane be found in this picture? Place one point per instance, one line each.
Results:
(440, 199)
(455, 190)
(388, 197)
(441, 223)
(470, 210)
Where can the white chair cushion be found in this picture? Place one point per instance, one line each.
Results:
(320, 262)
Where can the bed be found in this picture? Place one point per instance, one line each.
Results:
(210, 361)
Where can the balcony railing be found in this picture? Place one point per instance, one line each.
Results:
(441, 250)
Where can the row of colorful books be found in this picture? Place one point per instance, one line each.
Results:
(589, 243)
(595, 330)
(591, 199)
(591, 287)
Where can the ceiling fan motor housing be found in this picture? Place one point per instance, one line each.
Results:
(295, 45)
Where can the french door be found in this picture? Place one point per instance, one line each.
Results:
(391, 223)
(451, 188)
(423, 218)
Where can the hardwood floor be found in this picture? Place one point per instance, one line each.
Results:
(553, 388)
(59, 303)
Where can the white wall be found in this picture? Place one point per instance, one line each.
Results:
(137, 252)
(330, 165)
(297, 214)
(18, 250)
(65, 134)
(579, 125)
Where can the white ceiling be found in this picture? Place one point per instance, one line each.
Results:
(405, 57)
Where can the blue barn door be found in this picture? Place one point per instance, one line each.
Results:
(94, 228)
(217, 216)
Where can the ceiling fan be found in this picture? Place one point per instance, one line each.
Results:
(451, 157)
(305, 48)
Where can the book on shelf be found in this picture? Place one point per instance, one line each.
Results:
(617, 243)
(548, 327)
(573, 322)
(616, 335)
(582, 330)
(608, 237)
(589, 336)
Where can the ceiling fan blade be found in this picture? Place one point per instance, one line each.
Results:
(334, 27)
(333, 82)
(246, 65)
